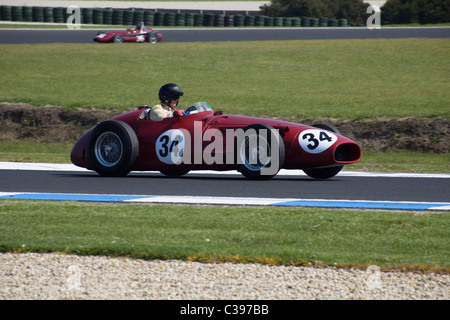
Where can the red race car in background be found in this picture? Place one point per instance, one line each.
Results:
(204, 139)
(140, 34)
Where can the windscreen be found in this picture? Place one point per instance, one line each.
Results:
(197, 107)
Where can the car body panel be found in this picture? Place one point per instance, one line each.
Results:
(129, 35)
(298, 139)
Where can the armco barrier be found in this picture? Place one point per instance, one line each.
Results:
(131, 16)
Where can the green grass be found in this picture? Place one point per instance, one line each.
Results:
(346, 79)
(22, 151)
(404, 161)
(273, 235)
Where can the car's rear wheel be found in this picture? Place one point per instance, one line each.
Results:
(259, 152)
(118, 38)
(152, 38)
(113, 148)
(324, 173)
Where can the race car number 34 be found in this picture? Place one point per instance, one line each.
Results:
(170, 146)
(316, 141)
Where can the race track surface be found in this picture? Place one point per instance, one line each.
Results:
(349, 189)
(31, 36)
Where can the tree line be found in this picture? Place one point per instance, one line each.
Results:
(392, 12)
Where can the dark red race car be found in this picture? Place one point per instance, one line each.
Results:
(140, 34)
(203, 139)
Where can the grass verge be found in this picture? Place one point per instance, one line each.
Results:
(344, 79)
(269, 235)
(23, 151)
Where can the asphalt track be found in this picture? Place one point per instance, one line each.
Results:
(290, 188)
(33, 36)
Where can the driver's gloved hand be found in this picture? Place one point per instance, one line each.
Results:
(178, 113)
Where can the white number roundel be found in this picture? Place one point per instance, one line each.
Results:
(316, 140)
(170, 146)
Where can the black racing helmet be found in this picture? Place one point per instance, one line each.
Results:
(169, 92)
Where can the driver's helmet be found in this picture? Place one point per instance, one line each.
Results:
(169, 92)
(140, 25)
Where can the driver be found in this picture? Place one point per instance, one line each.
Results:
(140, 27)
(169, 95)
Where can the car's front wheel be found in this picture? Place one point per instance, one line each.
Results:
(152, 38)
(118, 38)
(324, 173)
(113, 148)
(259, 152)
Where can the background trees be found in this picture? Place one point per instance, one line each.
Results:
(353, 10)
(415, 11)
(393, 11)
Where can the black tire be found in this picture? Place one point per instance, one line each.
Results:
(174, 173)
(152, 37)
(326, 127)
(324, 173)
(254, 168)
(118, 38)
(113, 148)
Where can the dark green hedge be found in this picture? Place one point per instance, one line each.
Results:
(352, 10)
(415, 11)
